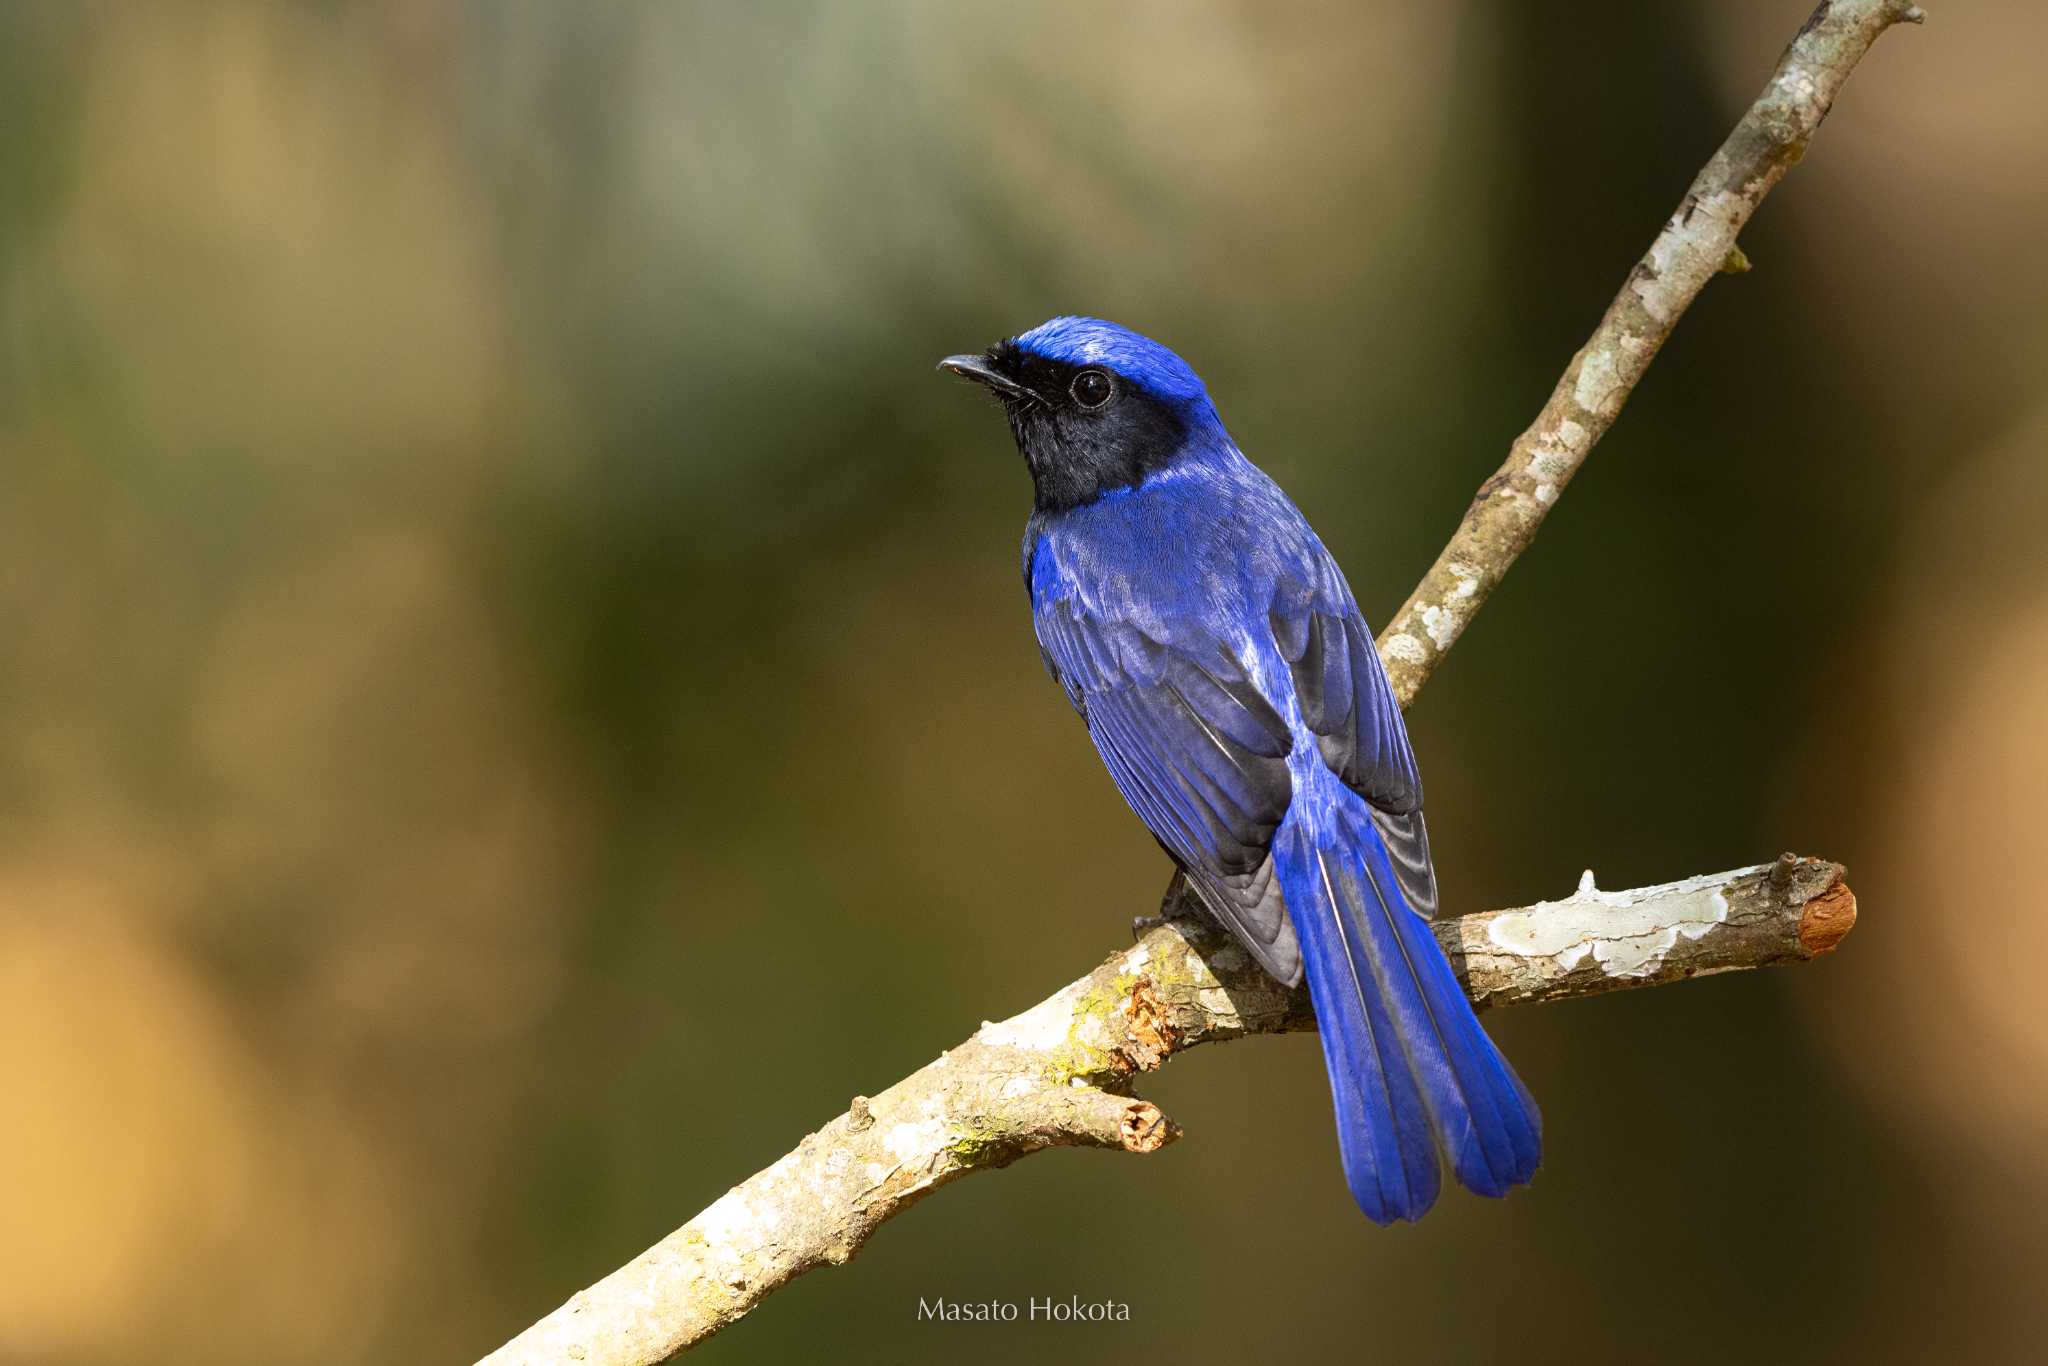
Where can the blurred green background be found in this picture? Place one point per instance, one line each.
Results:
(516, 702)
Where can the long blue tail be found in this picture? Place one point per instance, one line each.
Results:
(1410, 1067)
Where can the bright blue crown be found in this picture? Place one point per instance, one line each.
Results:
(1091, 341)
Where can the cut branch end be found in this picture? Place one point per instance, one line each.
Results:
(1827, 920)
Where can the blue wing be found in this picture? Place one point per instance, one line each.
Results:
(1200, 753)
(1346, 700)
(1196, 749)
(1315, 868)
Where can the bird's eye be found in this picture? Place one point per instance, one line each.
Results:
(1091, 388)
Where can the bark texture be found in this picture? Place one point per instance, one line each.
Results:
(1697, 243)
(1060, 1075)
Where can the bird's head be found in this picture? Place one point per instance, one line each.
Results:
(1094, 407)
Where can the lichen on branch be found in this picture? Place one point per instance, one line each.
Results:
(1697, 242)
(1060, 1075)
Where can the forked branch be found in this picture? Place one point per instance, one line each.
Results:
(1060, 1073)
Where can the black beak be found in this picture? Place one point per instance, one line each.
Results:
(978, 368)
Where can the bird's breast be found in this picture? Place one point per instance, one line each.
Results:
(1163, 544)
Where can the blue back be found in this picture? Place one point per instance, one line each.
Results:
(1210, 642)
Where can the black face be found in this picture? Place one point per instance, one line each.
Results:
(1084, 429)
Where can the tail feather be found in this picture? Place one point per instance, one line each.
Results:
(1410, 1067)
(1383, 1131)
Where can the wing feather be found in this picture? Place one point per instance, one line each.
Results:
(1344, 697)
(1199, 754)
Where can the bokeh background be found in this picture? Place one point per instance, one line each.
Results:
(515, 699)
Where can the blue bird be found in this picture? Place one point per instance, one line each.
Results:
(1214, 650)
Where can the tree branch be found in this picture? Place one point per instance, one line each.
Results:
(1059, 1074)
(1697, 242)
